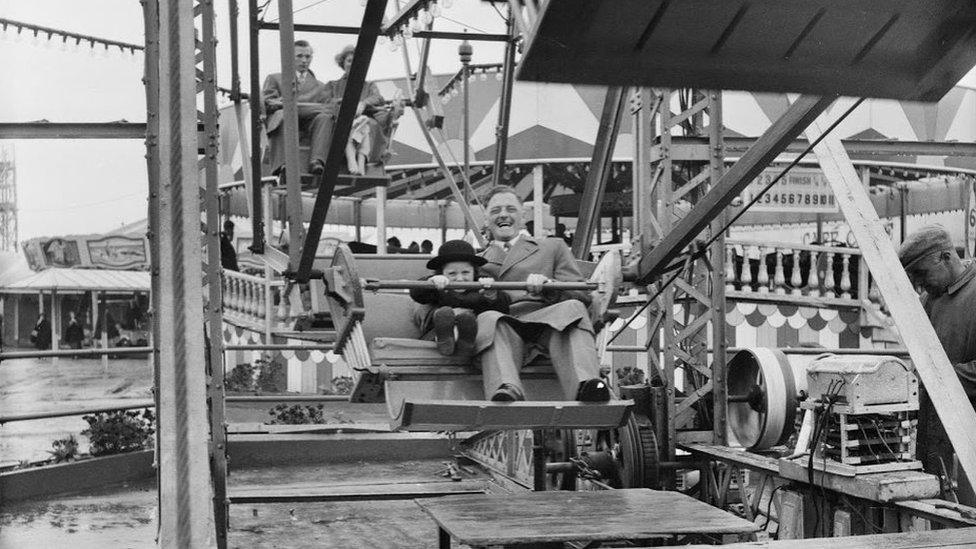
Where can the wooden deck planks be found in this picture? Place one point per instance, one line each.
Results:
(960, 537)
(629, 514)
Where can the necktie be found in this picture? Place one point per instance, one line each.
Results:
(507, 246)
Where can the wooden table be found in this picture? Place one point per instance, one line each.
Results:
(549, 517)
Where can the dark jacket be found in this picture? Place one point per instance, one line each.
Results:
(475, 300)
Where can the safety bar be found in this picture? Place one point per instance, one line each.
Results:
(494, 285)
(77, 352)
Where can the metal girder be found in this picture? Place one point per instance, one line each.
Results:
(505, 105)
(185, 517)
(421, 34)
(370, 29)
(255, 103)
(803, 111)
(289, 129)
(600, 165)
(214, 311)
(696, 148)
(72, 130)
(928, 356)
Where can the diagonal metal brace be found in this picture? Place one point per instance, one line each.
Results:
(370, 29)
(803, 111)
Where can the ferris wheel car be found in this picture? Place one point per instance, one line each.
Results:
(425, 390)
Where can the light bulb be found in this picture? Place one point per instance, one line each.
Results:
(435, 10)
(414, 24)
(471, 77)
(498, 75)
(444, 99)
(426, 17)
(484, 76)
(407, 33)
(362, 3)
(64, 45)
(393, 45)
(455, 92)
(448, 4)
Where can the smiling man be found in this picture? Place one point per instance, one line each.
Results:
(949, 299)
(542, 321)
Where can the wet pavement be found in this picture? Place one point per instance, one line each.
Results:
(124, 516)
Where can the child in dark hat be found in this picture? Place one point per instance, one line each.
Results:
(445, 310)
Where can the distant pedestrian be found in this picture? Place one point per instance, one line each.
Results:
(413, 248)
(73, 333)
(393, 245)
(228, 255)
(40, 336)
(426, 247)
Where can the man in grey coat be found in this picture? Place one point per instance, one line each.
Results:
(949, 299)
(542, 321)
(316, 113)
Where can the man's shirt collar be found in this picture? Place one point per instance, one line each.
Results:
(965, 277)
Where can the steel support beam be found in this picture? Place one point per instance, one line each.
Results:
(803, 111)
(214, 311)
(255, 102)
(289, 129)
(505, 106)
(370, 29)
(930, 360)
(72, 130)
(185, 512)
(600, 165)
(695, 148)
(421, 34)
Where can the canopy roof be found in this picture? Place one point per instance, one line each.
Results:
(79, 281)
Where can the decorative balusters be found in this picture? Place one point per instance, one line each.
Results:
(763, 277)
(828, 284)
(845, 277)
(779, 277)
(746, 270)
(819, 274)
(260, 298)
(813, 279)
(796, 281)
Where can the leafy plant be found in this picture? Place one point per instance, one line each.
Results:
(119, 431)
(240, 379)
(271, 376)
(296, 414)
(341, 385)
(64, 449)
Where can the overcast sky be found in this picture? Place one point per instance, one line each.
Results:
(82, 186)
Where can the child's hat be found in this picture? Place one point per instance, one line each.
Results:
(455, 250)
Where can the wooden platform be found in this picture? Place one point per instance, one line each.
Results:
(960, 537)
(483, 415)
(350, 492)
(880, 487)
(562, 516)
(899, 49)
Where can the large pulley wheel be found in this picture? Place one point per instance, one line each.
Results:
(559, 446)
(626, 457)
(762, 398)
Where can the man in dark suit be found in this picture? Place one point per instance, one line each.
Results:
(542, 321)
(316, 113)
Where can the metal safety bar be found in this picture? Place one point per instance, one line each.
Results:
(77, 352)
(494, 285)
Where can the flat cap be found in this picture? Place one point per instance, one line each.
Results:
(929, 239)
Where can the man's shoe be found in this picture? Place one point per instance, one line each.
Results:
(467, 329)
(317, 168)
(444, 330)
(507, 393)
(593, 390)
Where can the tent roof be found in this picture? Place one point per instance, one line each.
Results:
(80, 280)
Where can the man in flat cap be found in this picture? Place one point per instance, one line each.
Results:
(949, 297)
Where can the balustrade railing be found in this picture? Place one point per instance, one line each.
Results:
(794, 269)
(254, 299)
